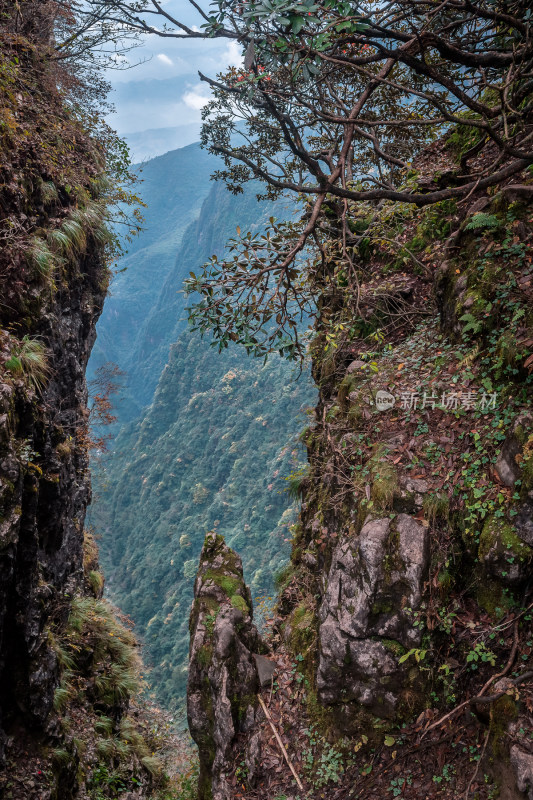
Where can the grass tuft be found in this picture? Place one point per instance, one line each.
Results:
(41, 257)
(29, 360)
(152, 765)
(49, 193)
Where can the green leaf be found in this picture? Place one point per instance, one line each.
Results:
(481, 220)
(297, 24)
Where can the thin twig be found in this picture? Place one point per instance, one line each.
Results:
(474, 776)
(479, 700)
(281, 745)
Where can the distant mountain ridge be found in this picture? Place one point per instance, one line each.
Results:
(146, 145)
(174, 187)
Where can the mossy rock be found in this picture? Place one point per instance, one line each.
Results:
(394, 647)
(382, 606)
(204, 655)
(491, 596)
(385, 483)
(238, 602)
(302, 626)
(502, 553)
(503, 712)
(229, 585)
(348, 384)
(501, 534)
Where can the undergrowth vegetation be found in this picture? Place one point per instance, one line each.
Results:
(425, 409)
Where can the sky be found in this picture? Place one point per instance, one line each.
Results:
(161, 93)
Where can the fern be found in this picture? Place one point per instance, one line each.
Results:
(482, 220)
(472, 324)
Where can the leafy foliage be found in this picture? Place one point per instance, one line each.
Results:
(481, 220)
(334, 103)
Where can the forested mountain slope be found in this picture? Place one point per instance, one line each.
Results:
(220, 214)
(173, 187)
(211, 451)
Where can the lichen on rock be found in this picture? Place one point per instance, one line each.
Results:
(223, 677)
(374, 589)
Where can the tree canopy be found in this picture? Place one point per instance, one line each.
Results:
(334, 103)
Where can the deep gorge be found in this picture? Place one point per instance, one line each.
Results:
(329, 568)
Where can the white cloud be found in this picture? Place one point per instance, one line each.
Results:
(195, 99)
(233, 54)
(165, 59)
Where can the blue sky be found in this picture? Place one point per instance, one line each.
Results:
(164, 91)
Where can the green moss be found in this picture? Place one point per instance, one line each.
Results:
(355, 414)
(445, 579)
(384, 477)
(381, 607)
(492, 598)
(392, 561)
(228, 585)
(527, 464)
(393, 647)
(323, 718)
(347, 385)
(501, 535)
(503, 711)
(204, 655)
(302, 624)
(238, 602)
(332, 413)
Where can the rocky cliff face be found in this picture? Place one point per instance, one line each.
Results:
(68, 668)
(375, 583)
(45, 489)
(53, 281)
(408, 593)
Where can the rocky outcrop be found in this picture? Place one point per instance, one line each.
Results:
(44, 492)
(506, 547)
(52, 292)
(509, 463)
(223, 677)
(367, 616)
(522, 764)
